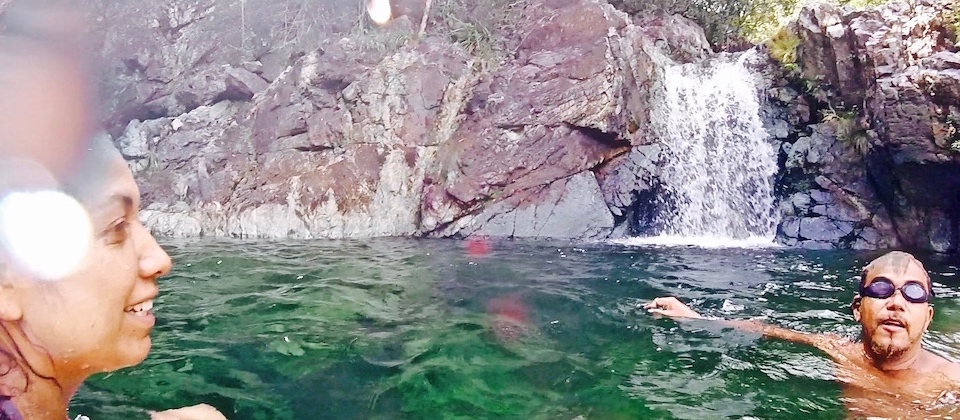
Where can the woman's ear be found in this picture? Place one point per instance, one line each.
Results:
(10, 306)
(855, 307)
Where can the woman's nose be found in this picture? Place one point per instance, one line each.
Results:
(154, 261)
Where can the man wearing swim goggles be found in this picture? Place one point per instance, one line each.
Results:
(893, 309)
(881, 288)
(887, 373)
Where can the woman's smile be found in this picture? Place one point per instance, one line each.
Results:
(142, 312)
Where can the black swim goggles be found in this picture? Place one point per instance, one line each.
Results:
(881, 288)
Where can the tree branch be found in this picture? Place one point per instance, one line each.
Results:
(426, 15)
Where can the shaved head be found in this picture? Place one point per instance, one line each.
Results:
(897, 262)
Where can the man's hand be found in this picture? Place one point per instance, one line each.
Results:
(196, 412)
(671, 307)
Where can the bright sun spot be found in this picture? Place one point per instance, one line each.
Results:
(379, 11)
(46, 232)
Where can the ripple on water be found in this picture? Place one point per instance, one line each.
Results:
(399, 328)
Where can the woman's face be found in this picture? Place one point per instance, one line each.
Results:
(98, 318)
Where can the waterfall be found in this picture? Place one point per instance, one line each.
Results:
(718, 167)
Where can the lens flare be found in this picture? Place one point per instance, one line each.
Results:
(47, 233)
(477, 246)
(379, 11)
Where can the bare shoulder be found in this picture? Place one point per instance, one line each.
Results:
(827, 342)
(935, 365)
(953, 371)
(834, 340)
(948, 367)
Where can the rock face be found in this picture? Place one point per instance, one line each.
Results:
(300, 119)
(874, 158)
(536, 129)
(426, 140)
(166, 58)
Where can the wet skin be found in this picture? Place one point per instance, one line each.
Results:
(54, 333)
(888, 373)
(96, 319)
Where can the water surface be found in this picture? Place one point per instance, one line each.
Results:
(409, 329)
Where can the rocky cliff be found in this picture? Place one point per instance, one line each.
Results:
(872, 155)
(250, 118)
(420, 137)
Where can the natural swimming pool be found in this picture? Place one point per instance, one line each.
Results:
(405, 328)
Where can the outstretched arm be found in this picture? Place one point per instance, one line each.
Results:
(674, 308)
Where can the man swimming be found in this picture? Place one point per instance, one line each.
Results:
(888, 372)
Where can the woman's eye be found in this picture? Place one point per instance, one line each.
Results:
(117, 232)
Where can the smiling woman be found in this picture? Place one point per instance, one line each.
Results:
(56, 332)
(78, 271)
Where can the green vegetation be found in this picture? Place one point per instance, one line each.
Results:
(479, 30)
(946, 133)
(382, 42)
(766, 18)
(848, 130)
(783, 46)
(732, 22)
(473, 37)
(292, 27)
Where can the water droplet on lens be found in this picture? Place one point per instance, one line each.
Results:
(46, 232)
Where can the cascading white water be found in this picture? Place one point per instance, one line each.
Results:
(718, 165)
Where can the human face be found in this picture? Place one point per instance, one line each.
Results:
(98, 318)
(894, 325)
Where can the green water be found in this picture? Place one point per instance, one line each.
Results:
(400, 328)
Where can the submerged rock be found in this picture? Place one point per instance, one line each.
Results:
(509, 318)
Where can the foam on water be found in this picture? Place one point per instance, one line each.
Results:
(712, 242)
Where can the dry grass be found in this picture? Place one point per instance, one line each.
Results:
(783, 45)
(951, 20)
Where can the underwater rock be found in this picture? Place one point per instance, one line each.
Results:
(509, 318)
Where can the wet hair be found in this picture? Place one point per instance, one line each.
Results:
(8, 411)
(13, 365)
(897, 260)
